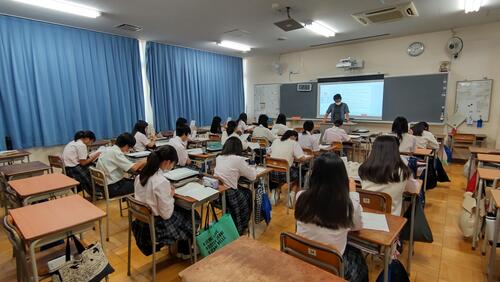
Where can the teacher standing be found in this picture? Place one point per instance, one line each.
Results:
(338, 110)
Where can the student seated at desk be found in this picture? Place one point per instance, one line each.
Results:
(76, 159)
(424, 139)
(154, 189)
(231, 132)
(181, 122)
(335, 133)
(141, 140)
(215, 128)
(242, 123)
(307, 140)
(179, 142)
(407, 142)
(329, 209)
(279, 127)
(230, 166)
(262, 131)
(385, 171)
(115, 164)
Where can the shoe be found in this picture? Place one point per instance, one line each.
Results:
(183, 256)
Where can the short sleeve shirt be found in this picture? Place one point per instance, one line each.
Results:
(337, 111)
(114, 164)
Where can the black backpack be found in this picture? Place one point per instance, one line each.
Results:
(397, 273)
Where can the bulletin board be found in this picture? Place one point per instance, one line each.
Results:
(474, 98)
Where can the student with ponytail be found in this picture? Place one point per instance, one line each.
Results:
(151, 187)
(231, 131)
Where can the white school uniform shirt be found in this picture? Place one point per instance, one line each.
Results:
(336, 238)
(114, 164)
(408, 144)
(335, 134)
(231, 167)
(242, 126)
(279, 129)
(287, 150)
(427, 140)
(73, 152)
(309, 141)
(224, 138)
(262, 132)
(141, 140)
(156, 193)
(180, 148)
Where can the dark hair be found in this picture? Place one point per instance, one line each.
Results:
(425, 124)
(84, 134)
(263, 120)
(418, 129)
(326, 203)
(281, 119)
(164, 153)
(337, 96)
(384, 164)
(308, 126)
(231, 126)
(125, 139)
(233, 146)
(338, 122)
(180, 121)
(399, 127)
(215, 127)
(288, 134)
(242, 117)
(182, 130)
(140, 126)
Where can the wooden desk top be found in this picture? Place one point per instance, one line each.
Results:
(249, 260)
(306, 159)
(422, 152)
(37, 221)
(478, 136)
(483, 150)
(488, 173)
(395, 223)
(98, 143)
(488, 158)
(41, 184)
(204, 155)
(18, 154)
(496, 197)
(264, 172)
(23, 168)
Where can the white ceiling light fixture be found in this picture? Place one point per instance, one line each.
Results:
(234, 45)
(321, 28)
(64, 6)
(471, 6)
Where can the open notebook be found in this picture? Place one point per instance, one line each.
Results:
(374, 221)
(138, 154)
(196, 191)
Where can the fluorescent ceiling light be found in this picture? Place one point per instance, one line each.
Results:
(321, 28)
(472, 5)
(234, 45)
(64, 6)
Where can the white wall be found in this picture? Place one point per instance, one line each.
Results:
(479, 59)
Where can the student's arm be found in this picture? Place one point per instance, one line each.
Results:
(90, 160)
(345, 136)
(270, 136)
(165, 200)
(433, 143)
(346, 112)
(298, 153)
(328, 111)
(138, 166)
(325, 137)
(152, 142)
(357, 209)
(412, 185)
(315, 142)
(247, 170)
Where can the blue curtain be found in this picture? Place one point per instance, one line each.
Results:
(55, 80)
(193, 84)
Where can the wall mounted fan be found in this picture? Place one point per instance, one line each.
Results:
(454, 46)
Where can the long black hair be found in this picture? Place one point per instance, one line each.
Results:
(84, 134)
(164, 153)
(400, 127)
(233, 146)
(384, 164)
(231, 127)
(140, 126)
(215, 127)
(263, 120)
(242, 117)
(288, 134)
(326, 203)
(425, 124)
(281, 119)
(308, 127)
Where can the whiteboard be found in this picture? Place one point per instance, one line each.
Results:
(267, 100)
(473, 98)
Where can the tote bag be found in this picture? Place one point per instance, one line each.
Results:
(216, 235)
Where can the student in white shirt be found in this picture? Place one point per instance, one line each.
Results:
(76, 159)
(231, 132)
(179, 142)
(335, 133)
(385, 171)
(307, 140)
(230, 166)
(152, 188)
(407, 142)
(262, 131)
(424, 139)
(142, 143)
(279, 127)
(329, 209)
(115, 164)
(242, 123)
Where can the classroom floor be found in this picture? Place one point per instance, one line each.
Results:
(448, 258)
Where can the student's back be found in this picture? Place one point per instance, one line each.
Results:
(407, 142)
(287, 147)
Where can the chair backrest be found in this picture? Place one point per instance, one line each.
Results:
(308, 151)
(323, 256)
(98, 177)
(12, 233)
(56, 161)
(275, 164)
(139, 210)
(263, 142)
(379, 201)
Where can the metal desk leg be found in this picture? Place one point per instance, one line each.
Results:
(195, 247)
(300, 176)
(472, 162)
(34, 269)
(493, 252)
(479, 191)
(387, 259)
(224, 202)
(426, 172)
(412, 228)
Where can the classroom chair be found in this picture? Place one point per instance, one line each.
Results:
(321, 255)
(263, 142)
(99, 178)
(378, 201)
(213, 137)
(495, 185)
(461, 142)
(281, 165)
(56, 161)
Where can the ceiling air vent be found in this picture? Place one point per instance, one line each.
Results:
(387, 14)
(128, 27)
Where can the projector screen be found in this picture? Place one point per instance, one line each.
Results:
(364, 98)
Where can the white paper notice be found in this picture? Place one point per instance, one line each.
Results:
(374, 221)
(196, 191)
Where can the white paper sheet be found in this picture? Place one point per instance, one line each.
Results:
(354, 136)
(324, 147)
(374, 221)
(197, 151)
(162, 142)
(253, 146)
(244, 137)
(196, 191)
(180, 173)
(138, 154)
(260, 169)
(8, 152)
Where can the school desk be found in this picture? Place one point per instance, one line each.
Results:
(495, 195)
(192, 204)
(488, 158)
(483, 174)
(480, 139)
(23, 169)
(378, 242)
(204, 157)
(14, 156)
(42, 187)
(161, 142)
(51, 221)
(97, 144)
(474, 151)
(248, 260)
(413, 206)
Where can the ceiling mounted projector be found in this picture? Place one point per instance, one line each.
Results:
(289, 24)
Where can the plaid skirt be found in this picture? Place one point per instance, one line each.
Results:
(239, 204)
(167, 231)
(82, 175)
(355, 267)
